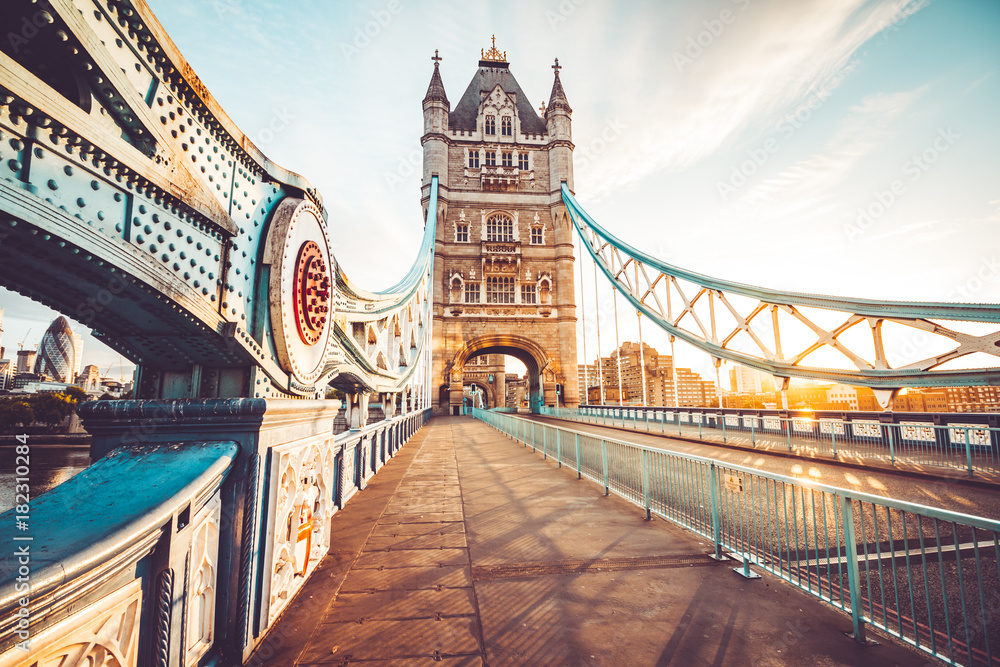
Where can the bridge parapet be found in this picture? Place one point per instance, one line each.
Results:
(198, 524)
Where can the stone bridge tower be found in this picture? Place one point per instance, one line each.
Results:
(504, 254)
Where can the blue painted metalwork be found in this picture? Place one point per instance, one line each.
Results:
(956, 445)
(864, 554)
(643, 279)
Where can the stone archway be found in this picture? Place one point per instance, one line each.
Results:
(541, 384)
(488, 393)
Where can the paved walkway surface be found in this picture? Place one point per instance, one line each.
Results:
(467, 549)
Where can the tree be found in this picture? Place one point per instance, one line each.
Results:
(15, 413)
(51, 409)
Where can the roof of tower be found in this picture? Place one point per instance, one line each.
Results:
(435, 91)
(489, 75)
(557, 99)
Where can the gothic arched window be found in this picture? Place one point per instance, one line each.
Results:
(499, 227)
(491, 124)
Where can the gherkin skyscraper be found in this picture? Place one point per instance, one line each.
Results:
(60, 353)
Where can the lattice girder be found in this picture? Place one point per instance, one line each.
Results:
(689, 311)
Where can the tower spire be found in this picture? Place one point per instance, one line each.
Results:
(557, 99)
(435, 91)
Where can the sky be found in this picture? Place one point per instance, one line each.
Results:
(846, 148)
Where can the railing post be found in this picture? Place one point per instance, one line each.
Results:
(699, 428)
(533, 448)
(579, 467)
(853, 571)
(647, 491)
(753, 432)
(663, 423)
(713, 493)
(788, 429)
(892, 443)
(968, 450)
(604, 457)
(559, 446)
(833, 439)
(646, 413)
(724, 440)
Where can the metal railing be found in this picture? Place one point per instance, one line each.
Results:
(924, 575)
(971, 447)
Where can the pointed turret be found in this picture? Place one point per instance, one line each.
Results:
(557, 100)
(435, 91)
(435, 140)
(559, 125)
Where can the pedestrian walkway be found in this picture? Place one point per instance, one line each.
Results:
(468, 549)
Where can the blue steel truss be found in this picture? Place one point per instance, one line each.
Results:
(689, 306)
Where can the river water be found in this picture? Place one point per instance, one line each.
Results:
(49, 465)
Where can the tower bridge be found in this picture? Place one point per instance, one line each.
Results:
(130, 201)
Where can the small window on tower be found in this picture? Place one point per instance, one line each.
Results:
(528, 294)
(473, 159)
(472, 292)
(505, 126)
(522, 161)
(537, 236)
(461, 233)
(507, 159)
(491, 158)
(491, 124)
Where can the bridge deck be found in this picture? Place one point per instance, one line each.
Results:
(469, 549)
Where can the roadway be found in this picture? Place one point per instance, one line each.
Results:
(935, 489)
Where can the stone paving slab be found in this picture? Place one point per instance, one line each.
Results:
(431, 576)
(555, 573)
(387, 529)
(394, 639)
(432, 541)
(427, 603)
(396, 558)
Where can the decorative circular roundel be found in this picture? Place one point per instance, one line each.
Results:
(312, 293)
(300, 291)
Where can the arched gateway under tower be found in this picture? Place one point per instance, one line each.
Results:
(503, 265)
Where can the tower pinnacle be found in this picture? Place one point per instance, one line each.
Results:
(557, 100)
(435, 91)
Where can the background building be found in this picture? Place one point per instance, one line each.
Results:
(60, 354)
(657, 370)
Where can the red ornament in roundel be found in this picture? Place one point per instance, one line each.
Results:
(311, 293)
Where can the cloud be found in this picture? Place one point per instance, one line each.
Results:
(807, 185)
(767, 60)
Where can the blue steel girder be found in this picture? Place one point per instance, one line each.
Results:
(130, 201)
(688, 306)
